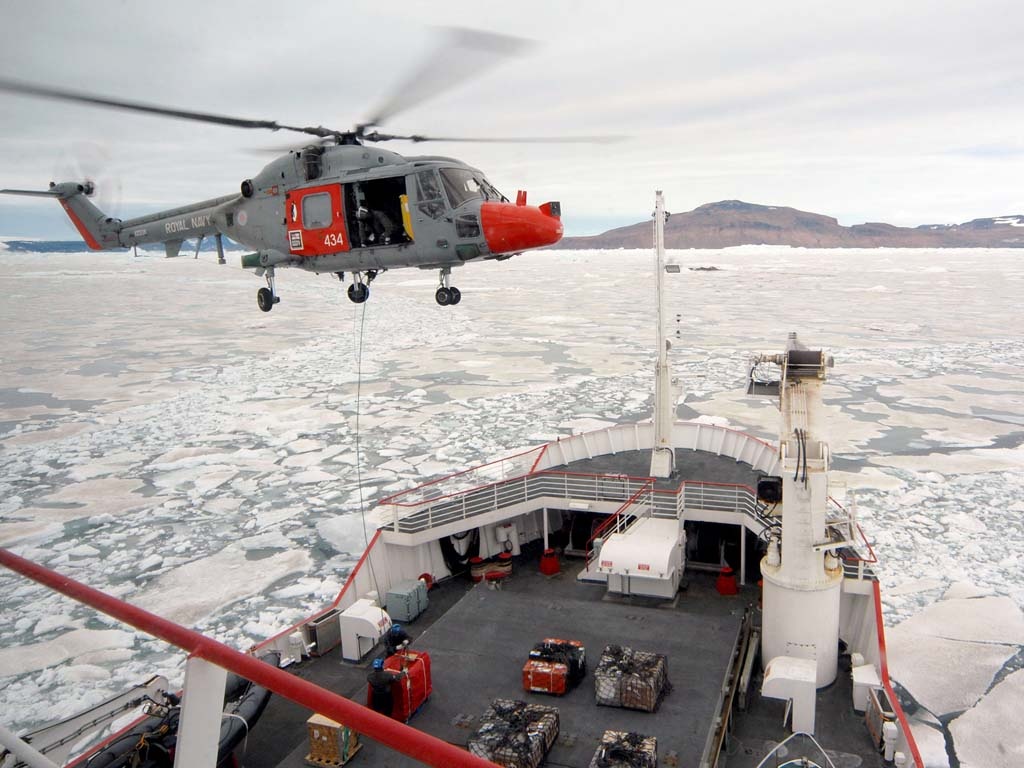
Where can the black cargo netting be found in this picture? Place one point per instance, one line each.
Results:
(626, 750)
(631, 679)
(572, 656)
(515, 734)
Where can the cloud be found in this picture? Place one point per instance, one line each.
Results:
(866, 111)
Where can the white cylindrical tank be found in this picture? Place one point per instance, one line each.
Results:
(802, 623)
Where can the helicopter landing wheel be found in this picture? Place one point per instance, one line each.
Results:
(443, 296)
(456, 295)
(265, 299)
(358, 292)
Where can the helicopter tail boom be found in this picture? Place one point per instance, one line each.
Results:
(99, 231)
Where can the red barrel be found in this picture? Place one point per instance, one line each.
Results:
(549, 564)
(726, 582)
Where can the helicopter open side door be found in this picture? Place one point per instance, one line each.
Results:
(315, 221)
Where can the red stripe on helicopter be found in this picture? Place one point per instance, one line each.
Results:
(82, 229)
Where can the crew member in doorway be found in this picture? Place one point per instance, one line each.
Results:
(380, 680)
(396, 640)
(375, 227)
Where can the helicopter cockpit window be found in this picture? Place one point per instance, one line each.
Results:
(460, 185)
(490, 191)
(316, 211)
(428, 194)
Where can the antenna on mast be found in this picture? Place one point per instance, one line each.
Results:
(663, 454)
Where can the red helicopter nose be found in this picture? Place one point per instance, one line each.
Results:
(510, 228)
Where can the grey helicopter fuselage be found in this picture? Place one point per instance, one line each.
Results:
(342, 209)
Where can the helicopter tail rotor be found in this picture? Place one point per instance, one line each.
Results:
(96, 165)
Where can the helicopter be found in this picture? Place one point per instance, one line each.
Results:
(337, 205)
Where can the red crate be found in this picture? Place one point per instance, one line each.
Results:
(412, 685)
(545, 677)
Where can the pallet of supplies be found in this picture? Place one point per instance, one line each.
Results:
(515, 734)
(619, 749)
(554, 666)
(630, 679)
(330, 744)
(545, 677)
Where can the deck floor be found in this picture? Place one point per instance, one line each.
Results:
(478, 639)
(479, 644)
(690, 466)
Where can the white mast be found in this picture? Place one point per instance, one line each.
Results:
(663, 455)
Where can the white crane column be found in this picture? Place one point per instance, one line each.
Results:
(802, 578)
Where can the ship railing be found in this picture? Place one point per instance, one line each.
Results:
(719, 497)
(415, 516)
(844, 523)
(463, 504)
(205, 675)
(506, 468)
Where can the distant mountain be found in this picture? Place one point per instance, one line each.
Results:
(733, 222)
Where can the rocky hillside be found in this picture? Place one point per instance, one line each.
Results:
(733, 222)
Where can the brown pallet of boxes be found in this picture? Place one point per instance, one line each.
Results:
(642, 687)
(515, 734)
(330, 744)
(619, 749)
(630, 679)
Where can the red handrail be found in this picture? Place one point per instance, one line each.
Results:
(344, 588)
(398, 736)
(543, 451)
(615, 516)
(884, 664)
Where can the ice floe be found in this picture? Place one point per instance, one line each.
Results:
(944, 676)
(193, 591)
(987, 735)
(191, 442)
(48, 653)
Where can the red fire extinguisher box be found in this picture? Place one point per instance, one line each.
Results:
(411, 686)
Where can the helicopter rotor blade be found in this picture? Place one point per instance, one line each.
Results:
(416, 138)
(461, 55)
(31, 89)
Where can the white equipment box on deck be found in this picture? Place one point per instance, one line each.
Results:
(646, 559)
(362, 624)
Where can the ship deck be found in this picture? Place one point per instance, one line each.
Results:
(701, 466)
(478, 638)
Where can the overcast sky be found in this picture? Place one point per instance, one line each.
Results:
(907, 112)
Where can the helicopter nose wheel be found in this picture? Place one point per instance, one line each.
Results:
(447, 295)
(267, 297)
